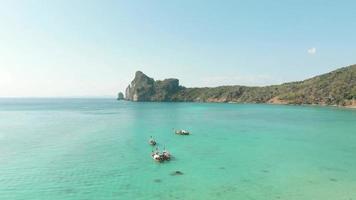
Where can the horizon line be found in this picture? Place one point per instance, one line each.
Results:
(59, 97)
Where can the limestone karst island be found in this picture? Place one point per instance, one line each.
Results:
(337, 88)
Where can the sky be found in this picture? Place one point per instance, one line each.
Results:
(73, 48)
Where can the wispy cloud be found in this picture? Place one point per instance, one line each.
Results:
(312, 51)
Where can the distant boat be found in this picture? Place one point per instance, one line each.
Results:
(182, 132)
(157, 157)
(152, 141)
(166, 155)
(160, 157)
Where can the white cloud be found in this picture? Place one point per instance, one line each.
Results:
(312, 51)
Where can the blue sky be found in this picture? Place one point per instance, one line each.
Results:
(93, 48)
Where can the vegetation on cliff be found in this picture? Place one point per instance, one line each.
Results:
(144, 88)
(335, 88)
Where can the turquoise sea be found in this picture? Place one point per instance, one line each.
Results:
(96, 149)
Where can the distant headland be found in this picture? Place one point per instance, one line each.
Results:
(337, 88)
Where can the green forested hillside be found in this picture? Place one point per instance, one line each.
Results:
(335, 88)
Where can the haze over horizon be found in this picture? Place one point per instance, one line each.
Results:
(93, 48)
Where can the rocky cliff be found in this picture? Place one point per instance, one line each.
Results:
(144, 88)
(335, 88)
(120, 96)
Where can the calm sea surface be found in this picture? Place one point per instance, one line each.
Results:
(76, 149)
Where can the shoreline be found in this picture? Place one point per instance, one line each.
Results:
(353, 106)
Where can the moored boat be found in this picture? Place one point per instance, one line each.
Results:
(160, 157)
(152, 141)
(166, 155)
(182, 132)
(157, 157)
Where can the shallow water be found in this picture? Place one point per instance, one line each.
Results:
(97, 149)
